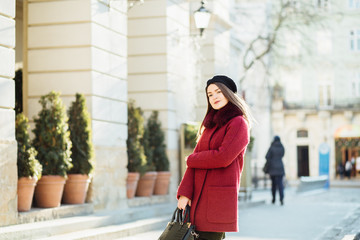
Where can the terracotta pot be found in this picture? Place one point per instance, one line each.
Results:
(162, 183)
(146, 184)
(75, 189)
(131, 184)
(25, 192)
(49, 190)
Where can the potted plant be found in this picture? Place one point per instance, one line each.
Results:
(155, 151)
(28, 166)
(135, 150)
(147, 180)
(78, 177)
(53, 145)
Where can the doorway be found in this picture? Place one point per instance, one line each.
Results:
(303, 160)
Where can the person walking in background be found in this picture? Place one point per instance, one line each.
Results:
(275, 168)
(341, 170)
(212, 179)
(348, 168)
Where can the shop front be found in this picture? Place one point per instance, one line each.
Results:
(347, 151)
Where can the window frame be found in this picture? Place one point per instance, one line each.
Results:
(325, 93)
(353, 4)
(302, 133)
(354, 40)
(324, 5)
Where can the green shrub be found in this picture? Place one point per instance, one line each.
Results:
(135, 149)
(28, 165)
(80, 136)
(52, 140)
(155, 148)
(190, 135)
(251, 144)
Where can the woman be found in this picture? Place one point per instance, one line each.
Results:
(211, 182)
(276, 168)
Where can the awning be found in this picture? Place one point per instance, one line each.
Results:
(346, 131)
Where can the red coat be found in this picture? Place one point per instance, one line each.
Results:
(214, 171)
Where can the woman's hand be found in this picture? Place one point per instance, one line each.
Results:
(182, 202)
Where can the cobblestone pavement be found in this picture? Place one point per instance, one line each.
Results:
(321, 215)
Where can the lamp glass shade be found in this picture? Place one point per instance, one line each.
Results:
(202, 18)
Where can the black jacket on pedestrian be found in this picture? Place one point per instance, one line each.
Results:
(274, 159)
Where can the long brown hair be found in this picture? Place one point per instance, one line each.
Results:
(234, 99)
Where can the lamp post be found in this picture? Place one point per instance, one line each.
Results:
(202, 18)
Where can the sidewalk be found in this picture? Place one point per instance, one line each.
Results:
(321, 214)
(147, 222)
(258, 198)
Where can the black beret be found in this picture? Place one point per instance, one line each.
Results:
(228, 82)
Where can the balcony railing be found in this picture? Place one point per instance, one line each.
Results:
(311, 105)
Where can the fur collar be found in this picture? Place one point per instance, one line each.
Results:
(222, 116)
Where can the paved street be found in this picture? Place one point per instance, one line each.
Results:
(318, 215)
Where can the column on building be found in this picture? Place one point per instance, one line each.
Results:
(8, 145)
(81, 46)
(159, 73)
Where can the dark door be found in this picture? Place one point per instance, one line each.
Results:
(303, 160)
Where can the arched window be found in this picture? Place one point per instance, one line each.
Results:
(302, 133)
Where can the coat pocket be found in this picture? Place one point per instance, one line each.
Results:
(222, 204)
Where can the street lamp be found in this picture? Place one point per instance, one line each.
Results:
(202, 18)
(132, 3)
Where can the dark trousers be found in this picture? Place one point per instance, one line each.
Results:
(277, 183)
(211, 235)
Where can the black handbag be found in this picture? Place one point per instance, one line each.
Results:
(266, 168)
(180, 227)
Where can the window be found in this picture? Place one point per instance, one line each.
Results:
(325, 98)
(325, 88)
(302, 134)
(354, 4)
(324, 43)
(355, 40)
(355, 85)
(323, 4)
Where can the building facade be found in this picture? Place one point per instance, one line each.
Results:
(316, 104)
(111, 52)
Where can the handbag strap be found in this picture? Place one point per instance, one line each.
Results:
(181, 216)
(186, 215)
(175, 214)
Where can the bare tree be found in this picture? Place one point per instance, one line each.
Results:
(285, 15)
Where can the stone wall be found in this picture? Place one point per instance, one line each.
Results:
(81, 46)
(158, 69)
(8, 145)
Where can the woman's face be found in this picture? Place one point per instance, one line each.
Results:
(216, 98)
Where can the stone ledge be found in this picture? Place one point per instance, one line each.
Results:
(312, 183)
(45, 214)
(115, 231)
(155, 199)
(101, 225)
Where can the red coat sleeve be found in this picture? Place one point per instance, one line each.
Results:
(186, 187)
(234, 142)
